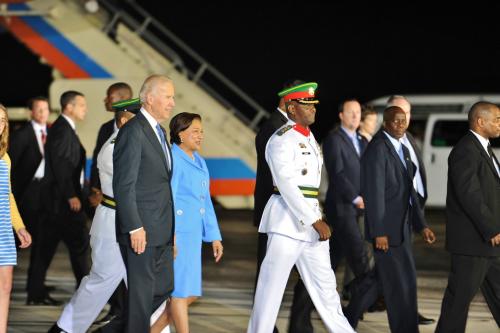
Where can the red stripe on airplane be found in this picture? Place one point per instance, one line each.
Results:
(43, 48)
(232, 186)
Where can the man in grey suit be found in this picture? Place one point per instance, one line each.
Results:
(142, 166)
(392, 209)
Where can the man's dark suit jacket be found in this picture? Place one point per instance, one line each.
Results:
(472, 201)
(386, 190)
(64, 162)
(105, 132)
(264, 179)
(26, 157)
(421, 165)
(343, 166)
(141, 184)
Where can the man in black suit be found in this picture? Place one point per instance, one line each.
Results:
(392, 208)
(142, 166)
(64, 166)
(116, 92)
(27, 154)
(473, 220)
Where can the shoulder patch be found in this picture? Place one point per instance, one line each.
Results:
(283, 130)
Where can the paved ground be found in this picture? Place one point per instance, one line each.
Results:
(228, 287)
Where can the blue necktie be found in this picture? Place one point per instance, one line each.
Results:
(163, 143)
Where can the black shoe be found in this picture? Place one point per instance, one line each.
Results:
(56, 329)
(378, 306)
(106, 319)
(425, 321)
(46, 300)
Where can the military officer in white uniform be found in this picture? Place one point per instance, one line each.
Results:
(108, 269)
(293, 220)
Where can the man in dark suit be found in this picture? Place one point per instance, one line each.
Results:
(64, 165)
(473, 220)
(27, 154)
(392, 208)
(116, 92)
(342, 150)
(142, 166)
(420, 179)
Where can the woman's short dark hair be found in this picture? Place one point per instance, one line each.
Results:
(179, 123)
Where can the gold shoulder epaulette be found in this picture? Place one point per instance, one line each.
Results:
(284, 130)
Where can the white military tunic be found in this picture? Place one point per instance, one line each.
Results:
(295, 160)
(108, 269)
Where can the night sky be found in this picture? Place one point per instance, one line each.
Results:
(351, 52)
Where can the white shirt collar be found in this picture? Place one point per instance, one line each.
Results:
(484, 142)
(38, 127)
(282, 112)
(395, 142)
(152, 121)
(70, 121)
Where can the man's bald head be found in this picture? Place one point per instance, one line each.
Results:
(484, 119)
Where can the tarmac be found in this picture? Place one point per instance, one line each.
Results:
(228, 286)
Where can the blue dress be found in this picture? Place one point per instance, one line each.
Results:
(195, 220)
(8, 255)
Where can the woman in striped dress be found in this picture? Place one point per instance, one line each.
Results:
(9, 217)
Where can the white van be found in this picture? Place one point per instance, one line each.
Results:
(438, 122)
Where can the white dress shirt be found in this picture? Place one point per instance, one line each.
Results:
(38, 128)
(152, 121)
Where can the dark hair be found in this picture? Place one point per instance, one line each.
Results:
(390, 111)
(367, 110)
(478, 110)
(341, 105)
(179, 123)
(119, 86)
(32, 101)
(68, 97)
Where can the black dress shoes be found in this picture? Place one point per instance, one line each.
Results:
(56, 329)
(425, 321)
(46, 300)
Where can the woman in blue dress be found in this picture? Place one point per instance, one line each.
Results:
(9, 218)
(195, 220)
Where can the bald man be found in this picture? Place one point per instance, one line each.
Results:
(473, 220)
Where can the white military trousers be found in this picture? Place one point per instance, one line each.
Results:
(312, 260)
(96, 288)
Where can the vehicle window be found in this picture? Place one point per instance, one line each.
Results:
(447, 133)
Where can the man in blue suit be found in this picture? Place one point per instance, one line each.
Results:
(392, 208)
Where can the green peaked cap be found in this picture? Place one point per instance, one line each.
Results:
(303, 92)
(131, 105)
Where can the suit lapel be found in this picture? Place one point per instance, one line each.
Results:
(153, 139)
(348, 141)
(394, 154)
(485, 155)
(34, 139)
(421, 165)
